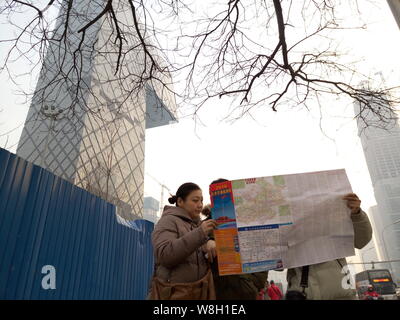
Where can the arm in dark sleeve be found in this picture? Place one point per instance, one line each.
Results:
(362, 229)
(259, 279)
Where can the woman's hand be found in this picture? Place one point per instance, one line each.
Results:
(208, 226)
(353, 202)
(210, 249)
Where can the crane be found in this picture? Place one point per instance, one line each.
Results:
(163, 186)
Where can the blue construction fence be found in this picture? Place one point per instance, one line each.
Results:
(58, 241)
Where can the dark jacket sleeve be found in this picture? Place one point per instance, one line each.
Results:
(362, 229)
(170, 250)
(259, 279)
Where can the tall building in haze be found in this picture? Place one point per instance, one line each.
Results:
(151, 207)
(382, 153)
(87, 118)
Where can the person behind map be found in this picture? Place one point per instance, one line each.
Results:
(232, 287)
(331, 280)
(178, 240)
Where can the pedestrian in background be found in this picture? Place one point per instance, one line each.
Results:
(274, 292)
(263, 293)
(371, 294)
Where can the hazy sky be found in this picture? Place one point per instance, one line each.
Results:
(288, 141)
(285, 142)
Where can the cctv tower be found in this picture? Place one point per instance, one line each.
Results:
(94, 100)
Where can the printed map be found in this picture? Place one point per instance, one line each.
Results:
(281, 221)
(261, 201)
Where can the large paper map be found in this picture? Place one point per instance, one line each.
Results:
(281, 221)
(261, 201)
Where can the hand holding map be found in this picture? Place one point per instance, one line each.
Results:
(208, 226)
(353, 202)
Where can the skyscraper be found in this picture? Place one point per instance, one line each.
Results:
(150, 209)
(88, 115)
(381, 145)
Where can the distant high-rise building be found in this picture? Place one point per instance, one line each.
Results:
(150, 209)
(382, 153)
(87, 120)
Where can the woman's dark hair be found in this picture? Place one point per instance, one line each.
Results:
(219, 181)
(183, 191)
(207, 211)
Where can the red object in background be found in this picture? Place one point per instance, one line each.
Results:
(260, 295)
(274, 292)
(373, 294)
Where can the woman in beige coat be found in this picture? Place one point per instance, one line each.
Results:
(178, 242)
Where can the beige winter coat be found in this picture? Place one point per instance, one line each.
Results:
(177, 241)
(326, 280)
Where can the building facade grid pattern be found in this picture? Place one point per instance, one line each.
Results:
(102, 148)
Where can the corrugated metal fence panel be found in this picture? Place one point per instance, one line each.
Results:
(45, 220)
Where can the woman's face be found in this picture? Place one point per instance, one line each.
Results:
(193, 203)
